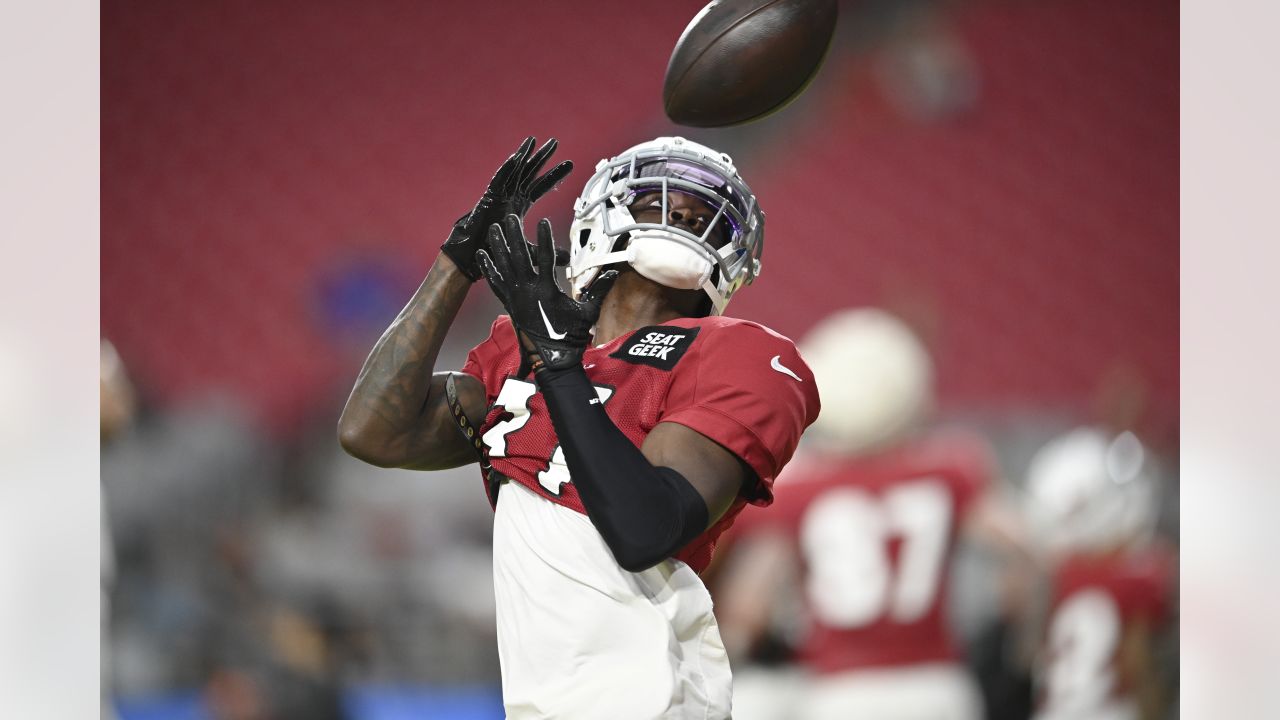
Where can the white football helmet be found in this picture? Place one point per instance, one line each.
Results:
(604, 231)
(1090, 490)
(875, 378)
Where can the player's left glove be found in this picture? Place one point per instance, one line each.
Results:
(514, 187)
(558, 326)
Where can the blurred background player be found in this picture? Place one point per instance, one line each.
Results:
(870, 515)
(1091, 498)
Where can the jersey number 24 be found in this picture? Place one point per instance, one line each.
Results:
(514, 397)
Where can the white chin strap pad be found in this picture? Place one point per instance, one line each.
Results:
(668, 263)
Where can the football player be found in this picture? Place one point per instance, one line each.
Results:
(1091, 498)
(870, 517)
(623, 422)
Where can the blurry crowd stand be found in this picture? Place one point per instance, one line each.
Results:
(257, 579)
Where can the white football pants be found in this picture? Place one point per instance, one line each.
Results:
(579, 637)
(941, 691)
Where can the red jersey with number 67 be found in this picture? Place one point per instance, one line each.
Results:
(876, 535)
(735, 382)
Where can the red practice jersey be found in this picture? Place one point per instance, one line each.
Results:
(736, 382)
(1096, 599)
(876, 536)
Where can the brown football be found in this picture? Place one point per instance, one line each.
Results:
(740, 60)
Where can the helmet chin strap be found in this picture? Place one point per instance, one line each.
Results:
(717, 300)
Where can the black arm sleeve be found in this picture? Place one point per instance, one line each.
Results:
(644, 513)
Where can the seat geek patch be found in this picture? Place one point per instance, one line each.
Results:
(658, 346)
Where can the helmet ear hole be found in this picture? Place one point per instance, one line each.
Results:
(583, 235)
(621, 242)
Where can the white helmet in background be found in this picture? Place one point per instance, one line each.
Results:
(604, 231)
(1090, 490)
(874, 376)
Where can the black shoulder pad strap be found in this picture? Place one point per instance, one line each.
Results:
(492, 479)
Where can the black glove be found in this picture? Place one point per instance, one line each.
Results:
(512, 190)
(558, 326)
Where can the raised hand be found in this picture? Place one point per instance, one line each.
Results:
(514, 188)
(558, 327)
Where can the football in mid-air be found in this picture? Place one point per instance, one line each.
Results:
(740, 60)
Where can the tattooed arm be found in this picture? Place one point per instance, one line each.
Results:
(397, 415)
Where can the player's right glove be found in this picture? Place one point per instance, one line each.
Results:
(558, 326)
(514, 188)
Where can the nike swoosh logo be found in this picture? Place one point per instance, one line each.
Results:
(552, 331)
(783, 368)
